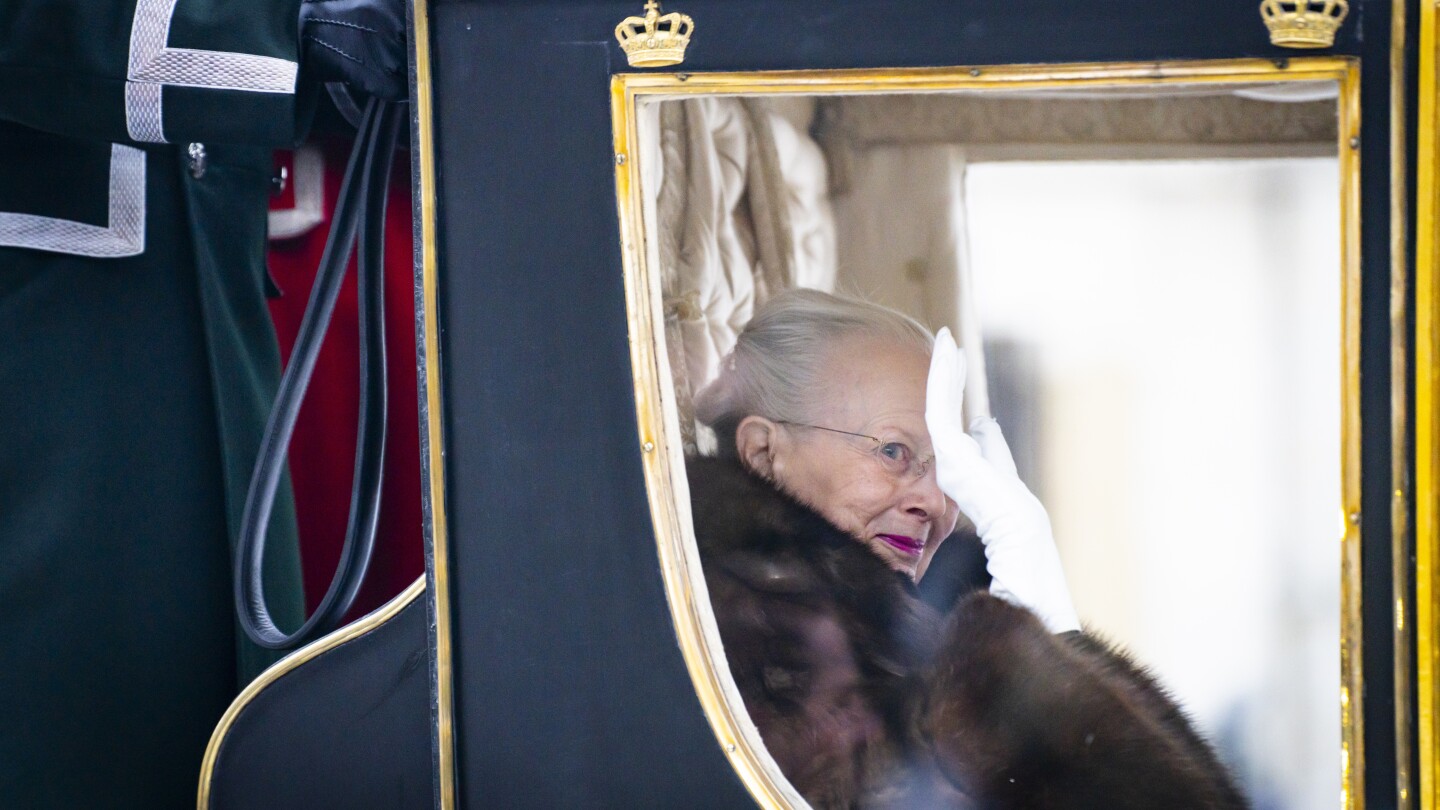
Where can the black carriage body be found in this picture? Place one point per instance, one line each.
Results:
(569, 688)
(556, 676)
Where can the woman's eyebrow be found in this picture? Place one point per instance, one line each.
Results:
(882, 426)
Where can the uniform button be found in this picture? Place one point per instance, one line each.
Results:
(196, 151)
(278, 181)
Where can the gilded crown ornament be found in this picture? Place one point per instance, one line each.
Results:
(655, 40)
(1303, 23)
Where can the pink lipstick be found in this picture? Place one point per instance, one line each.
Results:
(908, 545)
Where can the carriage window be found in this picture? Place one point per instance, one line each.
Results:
(1182, 431)
(1145, 287)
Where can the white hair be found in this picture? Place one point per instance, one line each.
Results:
(775, 368)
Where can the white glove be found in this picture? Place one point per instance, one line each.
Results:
(977, 471)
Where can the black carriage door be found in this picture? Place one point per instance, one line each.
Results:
(563, 682)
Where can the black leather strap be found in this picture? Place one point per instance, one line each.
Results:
(360, 208)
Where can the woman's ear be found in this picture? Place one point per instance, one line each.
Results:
(755, 441)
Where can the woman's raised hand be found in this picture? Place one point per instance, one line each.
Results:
(977, 472)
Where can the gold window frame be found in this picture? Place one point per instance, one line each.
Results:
(1427, 406)
(658, 418)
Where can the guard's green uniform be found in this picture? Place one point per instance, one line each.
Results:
(137, 365)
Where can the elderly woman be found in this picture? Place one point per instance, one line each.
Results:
(842, 467)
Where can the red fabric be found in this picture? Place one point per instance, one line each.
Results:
(322, 453)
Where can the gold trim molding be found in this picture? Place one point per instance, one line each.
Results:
(1400, 411)
(433, 439)
(659, 440)
(1427, 408)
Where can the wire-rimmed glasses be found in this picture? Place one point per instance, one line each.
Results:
(896, 457)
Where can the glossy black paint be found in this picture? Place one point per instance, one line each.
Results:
(569, 687)
(346, 729)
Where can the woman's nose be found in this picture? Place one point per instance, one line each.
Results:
(924, 499)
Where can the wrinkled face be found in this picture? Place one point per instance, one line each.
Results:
(874, 387)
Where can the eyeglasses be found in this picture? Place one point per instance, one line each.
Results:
(895, 457)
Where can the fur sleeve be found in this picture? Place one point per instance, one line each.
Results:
(1155, 700)
(1018, 717)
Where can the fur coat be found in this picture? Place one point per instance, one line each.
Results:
(867, 697)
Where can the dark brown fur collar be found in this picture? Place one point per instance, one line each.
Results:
(866, 697)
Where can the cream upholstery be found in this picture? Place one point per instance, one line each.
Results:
(740, 195)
